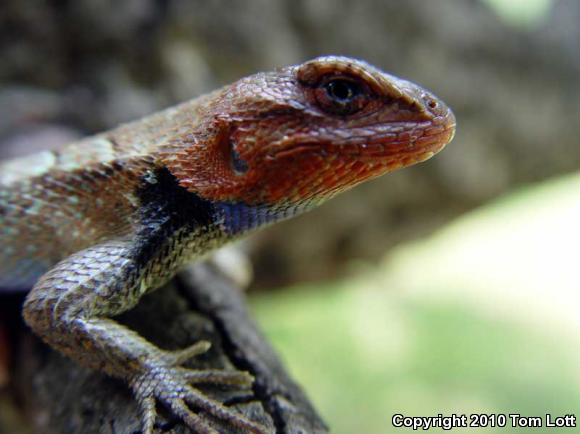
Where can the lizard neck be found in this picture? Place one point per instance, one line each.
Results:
(168, 209)
(238, 218)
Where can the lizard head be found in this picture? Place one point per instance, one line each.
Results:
(299, 135)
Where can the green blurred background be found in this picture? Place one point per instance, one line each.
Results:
(480, 317)
(449, 287)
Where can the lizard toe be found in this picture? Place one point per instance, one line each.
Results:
(226, 378)
(171, 387)
(222, 378)
(215, 408)
(180, 409)
(179, 357)
(148, 413)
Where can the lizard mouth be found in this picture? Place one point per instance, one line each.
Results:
(421, 148)
(405, 148)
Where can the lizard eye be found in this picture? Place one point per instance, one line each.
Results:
(342, 91)
(341, 95)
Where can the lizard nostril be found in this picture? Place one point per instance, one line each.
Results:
(432, 104)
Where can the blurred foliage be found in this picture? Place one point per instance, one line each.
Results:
(479, 318)
(522, 13)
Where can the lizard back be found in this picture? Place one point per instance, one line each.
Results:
(55, 203)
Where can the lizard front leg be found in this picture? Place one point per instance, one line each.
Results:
(71, 308)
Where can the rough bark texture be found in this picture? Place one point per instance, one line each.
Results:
(61, 397)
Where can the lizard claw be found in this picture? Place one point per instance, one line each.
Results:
(166, 382)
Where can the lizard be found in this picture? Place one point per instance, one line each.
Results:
(95, 225)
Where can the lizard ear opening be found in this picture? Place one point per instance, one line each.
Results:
(206, 161)
(239, 165)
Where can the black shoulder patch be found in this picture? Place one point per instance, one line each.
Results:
(162, 197)
(167, 207)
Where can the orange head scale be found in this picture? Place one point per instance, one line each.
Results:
(280, 142)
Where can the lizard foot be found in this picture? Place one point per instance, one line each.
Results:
(170, 384)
